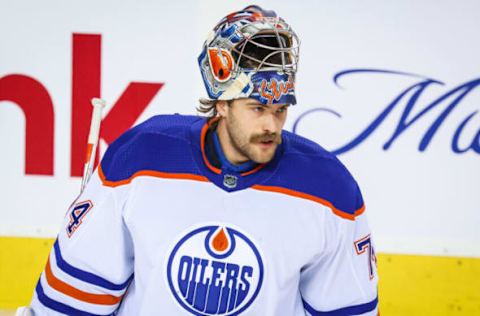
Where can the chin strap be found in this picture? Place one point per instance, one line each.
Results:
(234, 91)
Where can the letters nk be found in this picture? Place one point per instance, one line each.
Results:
(35, 101)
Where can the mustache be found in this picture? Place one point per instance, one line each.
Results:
(266, 137)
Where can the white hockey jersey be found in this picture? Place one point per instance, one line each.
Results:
(160, 231)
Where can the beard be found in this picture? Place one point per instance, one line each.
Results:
(250, 147)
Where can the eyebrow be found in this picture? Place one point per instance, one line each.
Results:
(266, 105)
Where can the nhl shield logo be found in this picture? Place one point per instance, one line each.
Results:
(230, 181)
(215, 270)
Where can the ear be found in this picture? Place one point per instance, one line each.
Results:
(222, 108)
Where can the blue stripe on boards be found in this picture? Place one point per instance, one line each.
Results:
(346, 311)
(57, 306)
(84, 275)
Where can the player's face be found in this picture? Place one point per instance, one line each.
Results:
(252, 130)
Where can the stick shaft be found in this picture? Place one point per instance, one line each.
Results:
(98, 105)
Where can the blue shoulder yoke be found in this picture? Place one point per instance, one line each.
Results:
(161, 143)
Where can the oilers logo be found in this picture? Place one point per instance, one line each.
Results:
(215, 270)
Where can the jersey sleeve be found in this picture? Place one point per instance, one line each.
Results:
(342, 279)
(91, 264)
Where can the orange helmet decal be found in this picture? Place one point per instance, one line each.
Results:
(275, 89)
(221, 63)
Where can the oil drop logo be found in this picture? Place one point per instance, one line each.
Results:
(215, 270)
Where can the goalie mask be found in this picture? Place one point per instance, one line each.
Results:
(251, 53)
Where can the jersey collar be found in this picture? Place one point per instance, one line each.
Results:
(224, 162)
(227, 178)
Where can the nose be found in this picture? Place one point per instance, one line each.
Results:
(270, 123)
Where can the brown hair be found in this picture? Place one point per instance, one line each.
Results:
(207, 108)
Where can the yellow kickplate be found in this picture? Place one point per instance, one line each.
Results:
(409, 285)
(21, 262)
(428, 285)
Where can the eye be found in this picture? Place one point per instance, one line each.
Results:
(282, 109)
(258, 109)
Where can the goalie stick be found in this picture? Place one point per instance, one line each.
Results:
(98, 105)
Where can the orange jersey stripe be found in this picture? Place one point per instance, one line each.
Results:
(202, 146)
(257, 168)
(306, 196)
(150, 173)
(360, 211)
(60, 286)
(187, 176)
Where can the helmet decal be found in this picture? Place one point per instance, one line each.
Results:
(271, 87)
(221, 63)
(275, 89)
